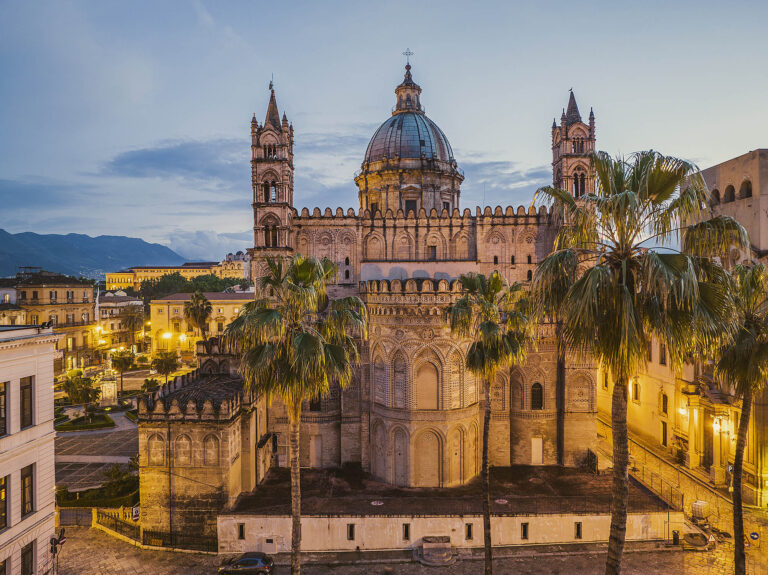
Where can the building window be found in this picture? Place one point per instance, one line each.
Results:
(662, 354)
(346, 274)
(447, 206)
(241, 531)
(495, 260)
(350, 531)
(468, 531)
(220, 326)
(27, 490)
(664, 433)
(28, 559)
(346, 261)
(3, 408)
(410, 206)
(432, 253)
(605, 379)
(406, 531)
(650, 350)
(529, 275)
(4, 567)
(374, 208)
(3, 503)
(577, 534)
(25, 401)
(636, 391)
(512, 260)
(664, 403)
(315, 404)
(530, 260)
(537, 396)
(524, 531)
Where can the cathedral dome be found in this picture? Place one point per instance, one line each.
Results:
(409, 135)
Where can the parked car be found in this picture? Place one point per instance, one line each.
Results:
(253, 563)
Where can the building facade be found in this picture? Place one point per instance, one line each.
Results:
(10, 312)
(69, 305)
(27, 478)
(113, 330)
(235, 266)
(170, 329)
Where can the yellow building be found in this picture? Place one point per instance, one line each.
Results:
(170, 330)
(68, 304)
(235, 266)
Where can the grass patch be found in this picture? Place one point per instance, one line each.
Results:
(97, 421)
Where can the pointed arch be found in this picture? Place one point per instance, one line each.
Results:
(379, 380)
(403, 246)
(400, 374)
(182, 450)
(428, 464)
(374, 247)
(156, 449)
(211, 451)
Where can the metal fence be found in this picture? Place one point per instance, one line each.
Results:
(75, 516)
(113, 521)
(208, 543)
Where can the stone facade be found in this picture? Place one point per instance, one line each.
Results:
(413, 415)
(202, 442)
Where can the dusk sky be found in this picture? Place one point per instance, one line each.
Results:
(133, 118)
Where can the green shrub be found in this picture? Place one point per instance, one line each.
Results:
(98, 421)
(133, 415)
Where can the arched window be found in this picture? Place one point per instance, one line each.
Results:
(408, 101)
(745, 191)
(664, 403)
(156, 450)
(495, 260)
(270, 235)
(346, 274)
(529, 275)
(211, 450)
(273, 192)
(582, 184)
(537, 396)
(730, 195)
(266, 191)
(346, 261)
(182, 450)
(714, 198)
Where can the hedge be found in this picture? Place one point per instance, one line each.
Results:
(98, 421)
(132, 415)
(94, 499)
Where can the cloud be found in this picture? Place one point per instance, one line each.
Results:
(40, 193)
(217, 163)
(494, 182)
(208, 245)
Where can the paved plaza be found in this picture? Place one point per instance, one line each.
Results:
(83, 456)
(89, 551)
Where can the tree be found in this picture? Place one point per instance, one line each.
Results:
(197, 312)
(165, 363)
(495, 317)
(149, 385)
(132, 319)
(80, 390)
(122, 362)
(615, 288)
(742, 366)
(294, 346)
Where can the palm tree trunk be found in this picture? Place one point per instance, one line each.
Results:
(739, 558)
(560, 394)
(293, 446)
(620, 491)
(486, 479)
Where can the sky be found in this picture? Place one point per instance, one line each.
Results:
(133, 118)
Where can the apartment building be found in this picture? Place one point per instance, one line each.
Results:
(27, 473)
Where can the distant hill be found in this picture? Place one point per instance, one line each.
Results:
(78, 254)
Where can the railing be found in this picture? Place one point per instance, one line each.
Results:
(113, 521)
(209, 543)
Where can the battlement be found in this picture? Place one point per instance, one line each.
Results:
(195, 396)
(540, 215)
(413, 285)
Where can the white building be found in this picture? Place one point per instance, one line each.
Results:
(27, 474)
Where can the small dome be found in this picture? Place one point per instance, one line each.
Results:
(409, 135)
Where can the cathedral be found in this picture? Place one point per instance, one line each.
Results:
(413, 415)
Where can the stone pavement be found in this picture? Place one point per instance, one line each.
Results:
(89, 551)
(83, 456)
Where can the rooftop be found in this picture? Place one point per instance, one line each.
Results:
(11, 332)
(514, 490)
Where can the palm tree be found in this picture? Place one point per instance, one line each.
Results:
(197, 312)
(495, 317)
(165, 363)
(294, 345)
(122, 362)
(615, 291)
(132, 319)
(742, 366)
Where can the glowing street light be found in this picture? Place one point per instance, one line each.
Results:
(167, 335)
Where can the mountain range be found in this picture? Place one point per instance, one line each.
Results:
(79, 254)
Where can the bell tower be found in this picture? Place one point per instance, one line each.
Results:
(272, 181)
(573, 143)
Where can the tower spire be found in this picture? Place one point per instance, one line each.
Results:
(273, 116)
(572, 115)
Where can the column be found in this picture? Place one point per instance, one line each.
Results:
(717, 471)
